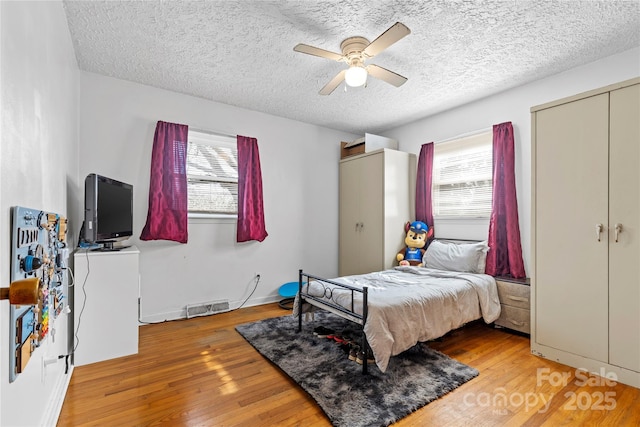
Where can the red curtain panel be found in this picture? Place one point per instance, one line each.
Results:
(424, 209)
(505, 253)
(250, 206)
(167, 213)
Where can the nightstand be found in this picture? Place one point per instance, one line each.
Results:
(514, 295)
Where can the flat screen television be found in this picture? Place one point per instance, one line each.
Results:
(108, 211)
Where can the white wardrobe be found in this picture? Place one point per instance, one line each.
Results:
(377, 193)
(586, 231)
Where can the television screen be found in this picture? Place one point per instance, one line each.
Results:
(108, 210)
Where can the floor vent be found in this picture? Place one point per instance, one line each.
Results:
(207, 308)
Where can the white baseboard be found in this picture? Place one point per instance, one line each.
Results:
(182, 314)
(54, 405)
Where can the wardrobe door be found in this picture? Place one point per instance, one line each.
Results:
(349, 207)
(361, 213)
(624, 252)
(571, 193)
(371, 213)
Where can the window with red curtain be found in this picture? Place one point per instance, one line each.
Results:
(251, 224)
(167, 213)
(505, 253)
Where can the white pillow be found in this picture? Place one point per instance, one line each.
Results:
(466, 257)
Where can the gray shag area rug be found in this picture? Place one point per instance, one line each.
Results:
(322, 368)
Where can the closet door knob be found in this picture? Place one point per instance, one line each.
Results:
(618, 228)
(598, 231)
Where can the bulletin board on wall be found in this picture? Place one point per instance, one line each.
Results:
(38, 249)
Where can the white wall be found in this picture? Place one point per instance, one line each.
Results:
(39, 160)
(300, 183)
(514, 105)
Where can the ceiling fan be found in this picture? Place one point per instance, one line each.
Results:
(355, 51)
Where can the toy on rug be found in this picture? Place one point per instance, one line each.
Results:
(416, 239)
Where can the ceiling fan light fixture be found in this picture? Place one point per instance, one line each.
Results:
(355, 76)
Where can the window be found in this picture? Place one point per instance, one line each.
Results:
(462, 177)
(212, 174)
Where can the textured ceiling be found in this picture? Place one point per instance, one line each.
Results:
(241, 52)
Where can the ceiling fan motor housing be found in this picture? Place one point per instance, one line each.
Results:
(352, 50)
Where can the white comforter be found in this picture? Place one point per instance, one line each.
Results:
(408, 305)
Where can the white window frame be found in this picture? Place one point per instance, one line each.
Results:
(476, 143)
(218, 141)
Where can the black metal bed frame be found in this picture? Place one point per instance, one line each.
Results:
(362, 318)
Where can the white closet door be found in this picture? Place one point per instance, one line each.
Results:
(361, 213)
(571, 200)
(624, 205)
(371, 212)
(349, 202)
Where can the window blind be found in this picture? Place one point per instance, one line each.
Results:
(462, 177)
(212, 174)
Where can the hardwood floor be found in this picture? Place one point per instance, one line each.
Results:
(201, 372)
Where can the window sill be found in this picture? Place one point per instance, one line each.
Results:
(203, 218)
(460, 219)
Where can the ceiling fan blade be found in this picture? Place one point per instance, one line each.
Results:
(385, 75)
(386, 39)
(315, 51)
(333, 84)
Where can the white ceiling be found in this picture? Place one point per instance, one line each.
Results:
(241, 52)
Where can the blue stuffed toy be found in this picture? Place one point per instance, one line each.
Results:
(416, 239)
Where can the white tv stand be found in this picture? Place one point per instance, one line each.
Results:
(107, 327)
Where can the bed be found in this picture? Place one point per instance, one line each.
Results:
(399, 307)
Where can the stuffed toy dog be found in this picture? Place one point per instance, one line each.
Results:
(416, 239)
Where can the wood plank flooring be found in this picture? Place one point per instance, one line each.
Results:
(201, 372)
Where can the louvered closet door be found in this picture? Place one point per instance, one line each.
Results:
(571, 194)
(624, 205)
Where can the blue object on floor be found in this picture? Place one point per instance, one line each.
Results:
(288, 291)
